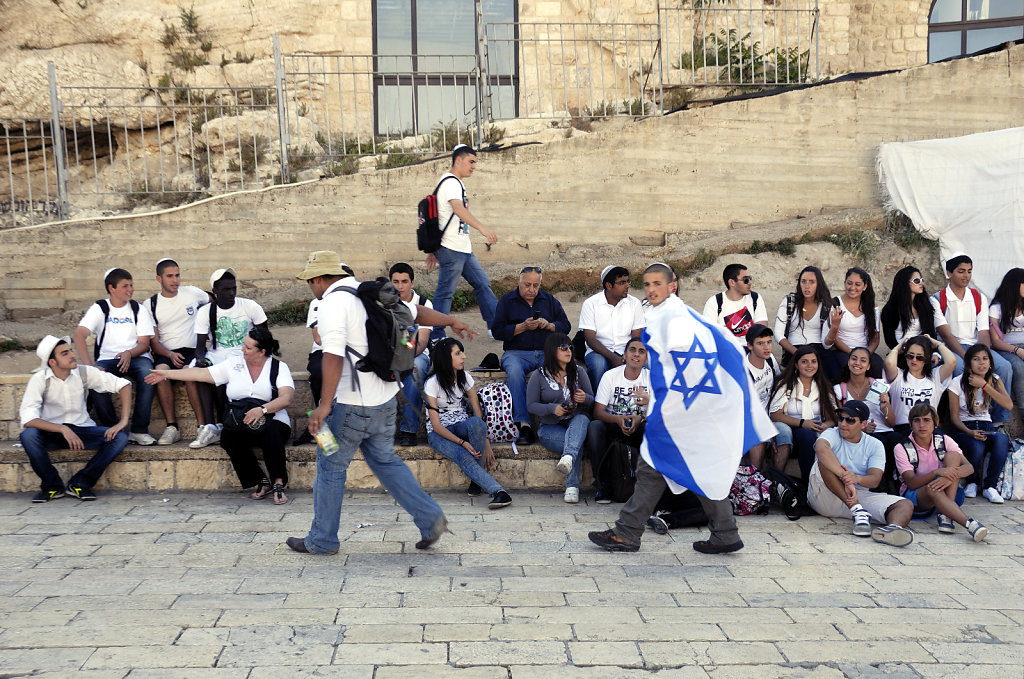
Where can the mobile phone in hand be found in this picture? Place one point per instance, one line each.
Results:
(536, 315)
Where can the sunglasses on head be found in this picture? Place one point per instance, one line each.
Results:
(848, 420)
(915, 357)
(528, 269)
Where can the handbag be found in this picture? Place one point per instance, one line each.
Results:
(235, 410)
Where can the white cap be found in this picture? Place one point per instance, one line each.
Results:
(107, 272)
(219, 274)
(605, 272)
(47, 344)
(163, 259)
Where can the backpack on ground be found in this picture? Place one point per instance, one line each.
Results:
(105, 308)
(390, 332)
(1011, 482)
(429, 231)
(496, 402)
(750, 492)
(618, 470)
(787, 493)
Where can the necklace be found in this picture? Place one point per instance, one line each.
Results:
(849, 390)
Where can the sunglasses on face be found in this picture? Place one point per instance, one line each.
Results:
(848, 420)
(565, 347)
(917, 281)
(915, 357)
(745, 280)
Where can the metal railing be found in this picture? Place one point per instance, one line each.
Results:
(28, 173)
(589, 70)
(739, 43)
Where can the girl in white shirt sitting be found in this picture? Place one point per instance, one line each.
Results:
(802, 399)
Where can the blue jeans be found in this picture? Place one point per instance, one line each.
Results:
(803, 448)
(1016, 390)
(475, 431)
(38, 443)
(371, 428)
(517, 363)
(597, 365)
(996, 445)
(452, 266)
(1002, 367)
(413, 398)
(144, 393)
(567, 438)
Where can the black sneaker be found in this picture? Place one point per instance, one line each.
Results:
(526, 436)
(658, 525)
(406, 439)
(610, 541)
(474, 489)
(83, 493)
(602, 497)
(708, 547)
(499, 500)
(47, 495)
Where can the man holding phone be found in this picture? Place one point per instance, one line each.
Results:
(522, 321)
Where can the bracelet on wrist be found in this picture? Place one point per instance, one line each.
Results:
(801, 423)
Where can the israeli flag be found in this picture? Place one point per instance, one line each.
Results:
(704, 411)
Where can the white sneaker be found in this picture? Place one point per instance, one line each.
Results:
(141, 439)
(976, 530)
(861, 523)
(572, 495)
(564, 465)
(971, 490)
(170, 435)
(993, 496)
(207, 434)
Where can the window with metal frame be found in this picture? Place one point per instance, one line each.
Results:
(958, 27)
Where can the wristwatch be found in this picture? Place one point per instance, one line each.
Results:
(264, 409)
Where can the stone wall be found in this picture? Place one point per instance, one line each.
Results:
(662, 179)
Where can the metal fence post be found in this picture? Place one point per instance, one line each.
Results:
(282, 110)
(817, 30)
(481, 72)
(57, 134)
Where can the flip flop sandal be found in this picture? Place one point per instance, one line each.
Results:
(263, 489)
(279, 497)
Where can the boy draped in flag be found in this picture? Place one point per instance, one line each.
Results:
(702, 414)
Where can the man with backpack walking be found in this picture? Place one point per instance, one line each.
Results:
(358, 404)
(454, 258)
(123, 332)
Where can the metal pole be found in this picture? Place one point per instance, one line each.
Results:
(817, 30)
(63, 208)
(481, 72)
(282, 111)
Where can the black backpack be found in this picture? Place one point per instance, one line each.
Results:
(618, 469)
(429, 232)
(105, 308)
(390, 332)
(787, 493)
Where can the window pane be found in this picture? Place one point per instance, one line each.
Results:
(979, 40)
(394, 26)
(943, 45)
(394, 110)
(445, 27)
(946, 10)
(978, 10)
(445, 104)
(503, 102)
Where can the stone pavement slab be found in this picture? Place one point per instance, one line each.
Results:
(200, 586)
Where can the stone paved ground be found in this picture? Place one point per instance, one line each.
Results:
(201, 586)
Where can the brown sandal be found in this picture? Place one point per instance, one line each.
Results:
(263, 489)
(279, 497)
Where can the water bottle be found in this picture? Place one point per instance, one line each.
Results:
(325, 439)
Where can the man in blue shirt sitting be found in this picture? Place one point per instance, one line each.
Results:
(522, 321)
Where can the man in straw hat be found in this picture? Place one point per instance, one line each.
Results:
(360, 412)
(54, 414)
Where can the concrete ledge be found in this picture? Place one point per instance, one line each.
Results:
(179, 467)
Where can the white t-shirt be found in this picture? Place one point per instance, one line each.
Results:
(808, 332)
(343, 323)
(797, 405)
(614, 391)
(981, 413)
(235, 373)
(447, 403)
(425, 303)
(874, 408)
(905, 393)
(176, 317)
(232, 327)
(1016, 333)
(853, 331)
(764, 378)
(964, 319)
(736, 316)
(915, 327)
(121, 330)
(456, 236)
(312, 318)
(614, 325)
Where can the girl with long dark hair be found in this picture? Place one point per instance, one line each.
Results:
(451, 430)
(802, 314)
(853, 322)
(913, 380)
(1006, 316)
(909, 311)
(802, 399)
(560, 395)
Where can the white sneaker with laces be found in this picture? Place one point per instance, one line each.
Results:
(207, 434)
(945, 524)
(977, 531)
(572, 495)
(993, 496)
(141, 439)
(564, 464)
(861, 522)
(170, 435)
(971, 490)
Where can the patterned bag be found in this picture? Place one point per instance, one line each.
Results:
(750, 493)
(496, 402)
(1011, 481)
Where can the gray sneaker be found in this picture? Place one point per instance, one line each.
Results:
(141, 439)
(945, 524)
(861, 523)
(207, 434)
(170, 435)
(894, 535)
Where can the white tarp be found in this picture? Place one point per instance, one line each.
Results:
(968, 192)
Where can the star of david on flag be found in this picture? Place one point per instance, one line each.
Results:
(704, 411)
